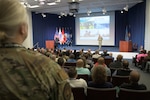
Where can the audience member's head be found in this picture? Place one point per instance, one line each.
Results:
(99, 74)
(119, 57)
(72, 73)
(101, 60)
(71, 56)
(134, 76)
(125, 64)
(13, 22)
(80, 63)
(96, 52)
(61, 61)
(110, 54)
(105, 51)
(53, 57)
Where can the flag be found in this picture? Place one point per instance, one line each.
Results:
(63, 36)
(60, 36)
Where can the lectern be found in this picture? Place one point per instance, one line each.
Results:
(50, 44)
(125, 46)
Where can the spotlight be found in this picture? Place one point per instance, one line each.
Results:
(126, 8)
(104, 11)
(43, 15)
(122, 11)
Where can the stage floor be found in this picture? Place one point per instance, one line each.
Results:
(114, 50)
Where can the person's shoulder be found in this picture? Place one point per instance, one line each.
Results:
(81, 80)
(109, 84)
(124, 85)
(142, 87)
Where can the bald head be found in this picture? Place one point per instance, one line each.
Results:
(134, 76)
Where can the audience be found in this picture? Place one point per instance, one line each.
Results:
(80, 67)
(134, 79)
(73, 81)
(99, 78)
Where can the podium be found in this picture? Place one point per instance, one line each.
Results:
(50, 44)
(125, 46)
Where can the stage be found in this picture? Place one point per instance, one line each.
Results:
(114, 50)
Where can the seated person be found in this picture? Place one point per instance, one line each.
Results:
(81, 69)
(146, 62)
(134, 79)
(117, 63)
(104, 53)
(125, 71)
(71, 58)
(74, 82)
(101, 61)
(96, 55)
(110, 56)
(141, 54)
(99, 78)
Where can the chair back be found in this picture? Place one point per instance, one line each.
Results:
(78, 93)
(118, 80)
(109, 79)
(101, 93)
(128, 94)
(83, 76)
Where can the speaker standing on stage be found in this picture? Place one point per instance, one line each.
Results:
(100, 38)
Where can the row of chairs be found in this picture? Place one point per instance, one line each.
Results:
(110, 94)
(115, 80)
(107, 62)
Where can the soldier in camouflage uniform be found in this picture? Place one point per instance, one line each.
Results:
(25, 74)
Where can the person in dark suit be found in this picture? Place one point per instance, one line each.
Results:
(56, 43)
(134, 79)
(105, 53)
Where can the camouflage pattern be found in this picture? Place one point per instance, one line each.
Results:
(29, 75)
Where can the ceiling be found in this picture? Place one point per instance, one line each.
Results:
(84, 5)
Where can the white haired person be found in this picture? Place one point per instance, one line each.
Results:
(25, 74)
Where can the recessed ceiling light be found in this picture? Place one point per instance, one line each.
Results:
(52, 3)
(34, 6)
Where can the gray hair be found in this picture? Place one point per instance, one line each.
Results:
(12, 14)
